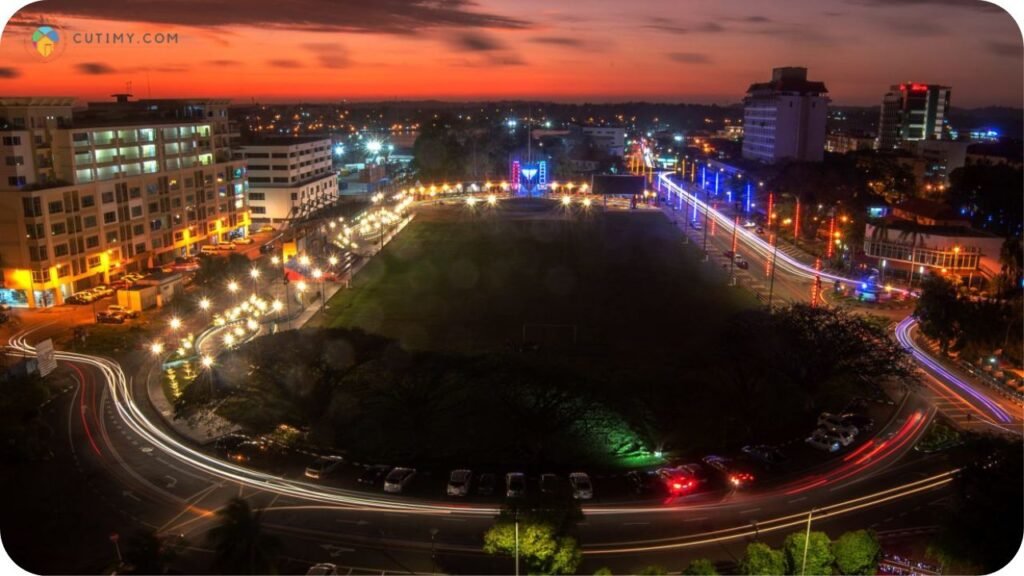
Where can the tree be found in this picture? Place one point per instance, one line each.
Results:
(652, 570)
(984, 527)
(818, 553)
(938, 310)
(984, 193)
(701, 567)
(857, 552)
(1011, 261)
(762, 560)
(239, 542)
(147, 553)
(540, 547)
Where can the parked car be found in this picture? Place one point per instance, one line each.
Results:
(729, 254)
(548, 483)
(678, 480)
(372, 475)
(225, 246)
(730, 471)
(265, 228)
(322, 467)
(459, 482)
(844, 437)
(861, 423)
(820, 440)
(641, 481)
(834, 423)
(741, 263)
(208, 249)
(110, 318)
(228, 442)
(244, 240)
(515, 485)
(322, 569)
(485, 485)
(766, 455)
(398, 479)
(246, 451)
(582, 489)
(118, 309)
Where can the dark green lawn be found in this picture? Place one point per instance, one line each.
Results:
(622, 281)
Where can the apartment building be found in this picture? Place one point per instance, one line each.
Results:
(88, 194)
(289, 178)
(911, 112)
(785, 118)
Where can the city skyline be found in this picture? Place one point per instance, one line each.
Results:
(709, 52)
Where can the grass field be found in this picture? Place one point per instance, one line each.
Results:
(469, 280)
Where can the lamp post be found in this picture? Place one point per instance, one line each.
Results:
(318, 275)
(233, 288)
(254, 273)
(807, 541)
(771, 281)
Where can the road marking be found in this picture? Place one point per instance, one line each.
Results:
(750, 511)
(697, 519)
(171, 481)
(795, 500)
(635, 523)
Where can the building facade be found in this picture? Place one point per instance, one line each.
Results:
(911, 112)
(785, 118)
(289, 178)
(86, 196)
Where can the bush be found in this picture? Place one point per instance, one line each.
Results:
(762, 560)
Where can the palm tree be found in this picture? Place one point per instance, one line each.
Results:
(1011, 259)
(239, 542)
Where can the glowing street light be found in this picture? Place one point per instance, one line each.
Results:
(374, 147)
(206, 361)
(586, 202)
(232, 286)
(333, 260)
(156, 348)
(275, 260)
(566, 200)
(204, 304)
(492, 199)
(175, 323)
(304, 260)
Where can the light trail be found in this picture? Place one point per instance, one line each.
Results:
(903, 336)
(745, 530)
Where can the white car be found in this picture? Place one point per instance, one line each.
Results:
(397, 479)
(834, 423)
(582, 489)
(244, 240)
(322, 467)
(821, 441)
(844, 437)
(458, 482)
(515, 485)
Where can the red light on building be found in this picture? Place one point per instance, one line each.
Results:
(918, 87)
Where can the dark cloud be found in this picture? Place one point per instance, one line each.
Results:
(662, 24)
(968, 4)
(756, 19)
(224, 62)
(557, 40)
(913, 27)
(689, 57)
(475, 42)
(1006, 49)
(8, 72)
(330, 55)
(93, 68)
(390, 16)
(284, 63)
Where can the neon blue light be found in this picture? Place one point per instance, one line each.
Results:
(716, 183)
(747, 209)
(704, 177)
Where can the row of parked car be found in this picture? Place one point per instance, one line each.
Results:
(95, 293)
(115, 314)
(837, 431)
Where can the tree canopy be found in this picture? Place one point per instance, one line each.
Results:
(761, 559)
(818, 553)
(857, 552)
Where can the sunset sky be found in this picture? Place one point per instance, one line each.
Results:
(600, 50)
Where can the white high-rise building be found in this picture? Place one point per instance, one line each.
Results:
(290, 178)
(785, 118)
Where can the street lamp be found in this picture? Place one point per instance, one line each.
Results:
(254, 273)
(318, 275)
(204, 304)
(175, 323)
(156, 348)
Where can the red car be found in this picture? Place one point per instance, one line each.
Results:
(680, 479)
